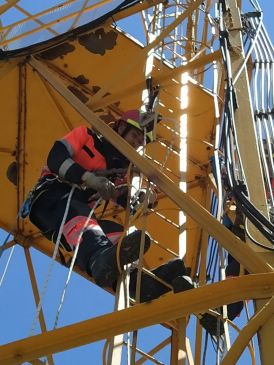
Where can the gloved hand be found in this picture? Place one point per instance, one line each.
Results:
(99, 183)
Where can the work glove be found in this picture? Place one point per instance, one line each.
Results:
(101, 184)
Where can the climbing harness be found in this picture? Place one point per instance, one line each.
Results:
(34, 194)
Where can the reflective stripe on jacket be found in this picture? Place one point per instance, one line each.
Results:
(80, 142)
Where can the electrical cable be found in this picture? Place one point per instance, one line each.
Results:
(235, 79)
(205, 349)
(255, 241)
(266, 227)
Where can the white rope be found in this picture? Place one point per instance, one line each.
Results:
(52, 262)
(72, 263)
(7, 265)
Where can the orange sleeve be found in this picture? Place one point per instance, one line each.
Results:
(76, 139)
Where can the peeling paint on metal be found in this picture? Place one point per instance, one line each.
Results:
(78, 93)
(95, 89)
(107, 118)
(57, 51)
(99, 41)
(81, 80)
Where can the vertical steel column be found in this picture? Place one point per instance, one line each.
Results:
(246, 134)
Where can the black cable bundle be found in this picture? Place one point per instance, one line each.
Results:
(236, 186)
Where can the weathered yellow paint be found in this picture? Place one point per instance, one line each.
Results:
(42, 102)
(58, 117)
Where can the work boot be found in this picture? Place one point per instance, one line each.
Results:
(103, 266)
(210, 323)
(213, 325)
(182, 283)
(174, 273)
(152, 288)
(234, 310)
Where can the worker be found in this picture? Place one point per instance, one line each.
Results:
(79, 159)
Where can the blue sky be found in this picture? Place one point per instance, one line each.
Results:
(83, 300)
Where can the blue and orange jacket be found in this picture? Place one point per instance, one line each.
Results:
(79, 151)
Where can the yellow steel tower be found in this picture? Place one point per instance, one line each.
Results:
(63, 64)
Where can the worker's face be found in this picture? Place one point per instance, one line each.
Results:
(134, 136)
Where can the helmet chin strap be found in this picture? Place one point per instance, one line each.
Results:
(126, 130)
